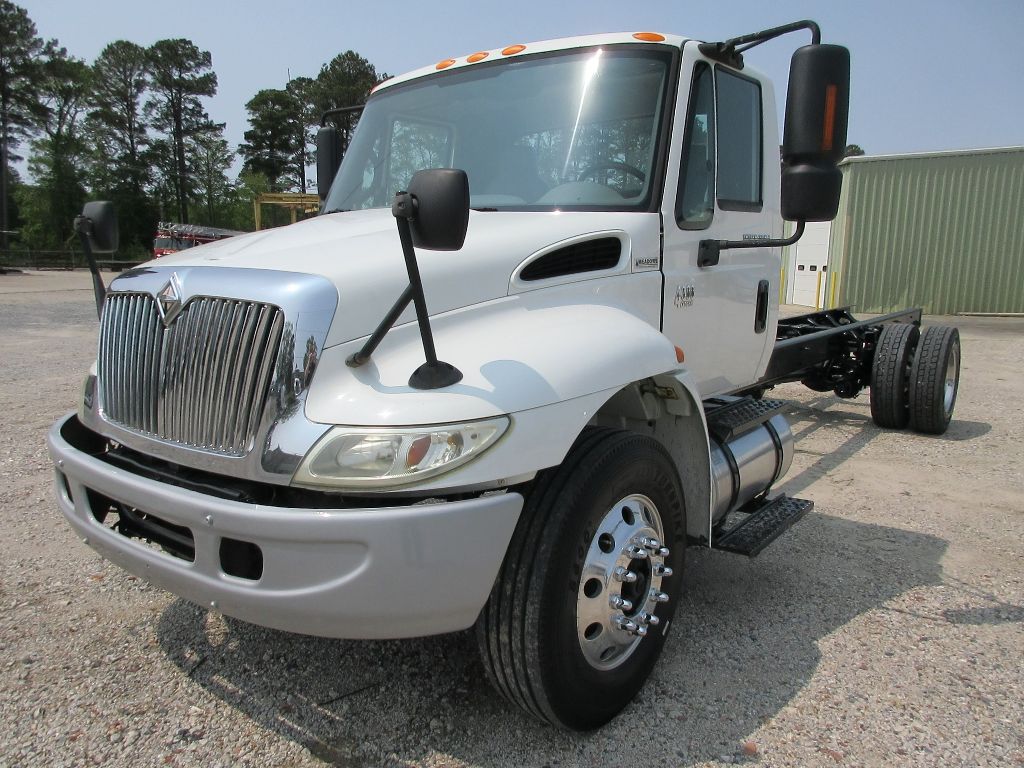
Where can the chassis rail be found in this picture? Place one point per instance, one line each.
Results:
(828, 350)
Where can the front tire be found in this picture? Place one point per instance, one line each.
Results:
(579, 612)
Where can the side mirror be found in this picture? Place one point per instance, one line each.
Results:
(328, 158)
(441, 217)
(817, 112)
(98, 223)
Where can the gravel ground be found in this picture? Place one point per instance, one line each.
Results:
(885, 629)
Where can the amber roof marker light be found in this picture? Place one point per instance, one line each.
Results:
(444, 64)
(473, 58)
(512, 50)
(649, 37)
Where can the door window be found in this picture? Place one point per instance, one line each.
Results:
(739, 142)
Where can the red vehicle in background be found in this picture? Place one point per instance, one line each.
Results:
(171, 237)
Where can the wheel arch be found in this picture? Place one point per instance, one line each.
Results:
(668, 407)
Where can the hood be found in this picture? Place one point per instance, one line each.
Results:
(360, 253)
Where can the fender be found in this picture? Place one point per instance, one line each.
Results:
(551, 390)
(516, 353)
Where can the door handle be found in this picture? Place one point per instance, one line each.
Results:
(761, 308)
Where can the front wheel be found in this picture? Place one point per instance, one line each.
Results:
(590, 582)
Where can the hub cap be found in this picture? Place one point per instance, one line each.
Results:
(620, 586)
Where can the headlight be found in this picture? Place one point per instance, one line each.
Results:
(380, 457)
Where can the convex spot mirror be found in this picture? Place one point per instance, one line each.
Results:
(817, 111)
(442, 209)
(328, 159)
(98, 223)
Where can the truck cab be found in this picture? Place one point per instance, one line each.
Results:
(588, 234)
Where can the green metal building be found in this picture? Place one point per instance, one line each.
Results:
(943, 231)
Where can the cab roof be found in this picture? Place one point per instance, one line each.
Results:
(543, 46)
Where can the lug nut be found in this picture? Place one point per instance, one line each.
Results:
(640, 631)
(624, 574)
(626, 625)
(662, 570)
(635, 553)
(650, 544)
(662, 552)
(618, 601)
(649, 618)
(659, 597)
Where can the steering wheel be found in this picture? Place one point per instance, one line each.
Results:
(632, 170)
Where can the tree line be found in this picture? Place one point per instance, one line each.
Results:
(131, 127)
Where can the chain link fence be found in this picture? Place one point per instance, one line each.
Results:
(16, 258)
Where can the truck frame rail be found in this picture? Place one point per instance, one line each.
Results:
(828, 350)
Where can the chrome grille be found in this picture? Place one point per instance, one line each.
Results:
(202, 382)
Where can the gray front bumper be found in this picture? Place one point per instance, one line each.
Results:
(353, 573)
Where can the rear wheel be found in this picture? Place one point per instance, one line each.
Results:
(890, 375)
(580, 609)
(935, 379)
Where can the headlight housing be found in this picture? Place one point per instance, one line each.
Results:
(383, 457)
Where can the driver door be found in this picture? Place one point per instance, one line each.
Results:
(723, 158)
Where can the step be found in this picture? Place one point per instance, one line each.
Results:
(750, 532)
(733, 419)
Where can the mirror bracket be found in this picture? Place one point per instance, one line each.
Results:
(434, 373)
(709, 251)
(96, 228)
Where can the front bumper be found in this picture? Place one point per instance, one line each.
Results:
(401, 571)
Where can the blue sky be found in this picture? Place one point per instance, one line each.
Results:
(945, 74)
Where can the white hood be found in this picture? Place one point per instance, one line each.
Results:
(359, 252)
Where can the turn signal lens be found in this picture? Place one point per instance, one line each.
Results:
(354, 457)
(829, 127)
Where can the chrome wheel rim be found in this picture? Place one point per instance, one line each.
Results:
(949, 389)
(620, 584)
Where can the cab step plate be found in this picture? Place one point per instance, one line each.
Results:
(733, 419)
(760, 527)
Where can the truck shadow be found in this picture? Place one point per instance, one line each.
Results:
(743, 645)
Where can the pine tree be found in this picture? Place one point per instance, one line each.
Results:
(180, 75)
(21, 51)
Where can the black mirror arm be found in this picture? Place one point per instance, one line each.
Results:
(363, 355)
(731, 51)
(83, 227)
(708, 251)
(434, 373)
(340, 111)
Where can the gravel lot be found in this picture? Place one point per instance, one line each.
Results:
(885, 629)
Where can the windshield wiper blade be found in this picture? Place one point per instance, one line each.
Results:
(335, 210)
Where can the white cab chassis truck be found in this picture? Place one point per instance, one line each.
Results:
(511, 372)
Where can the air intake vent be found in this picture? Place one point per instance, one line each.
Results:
(588, 256)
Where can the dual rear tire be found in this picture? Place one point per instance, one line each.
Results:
(915, 376)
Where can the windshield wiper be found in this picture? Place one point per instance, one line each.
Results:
(335, 210)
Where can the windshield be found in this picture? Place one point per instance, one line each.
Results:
(577, 130)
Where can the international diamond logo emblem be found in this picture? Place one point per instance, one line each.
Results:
(168, 300)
